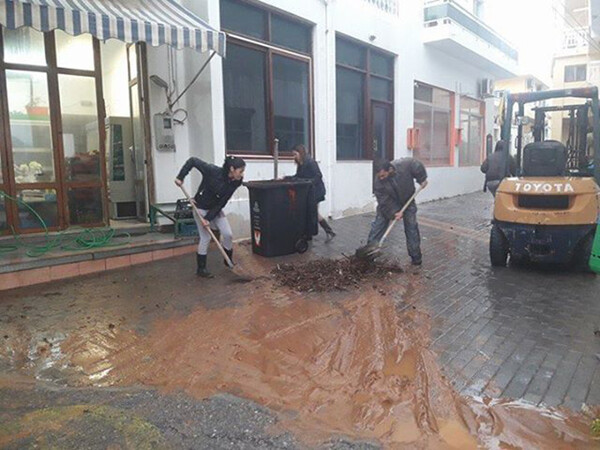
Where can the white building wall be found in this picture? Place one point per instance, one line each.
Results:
(348, 183)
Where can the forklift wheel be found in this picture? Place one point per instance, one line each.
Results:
(581, 256)
(301, 245)
(498, 247)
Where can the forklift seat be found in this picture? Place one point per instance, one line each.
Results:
(544, 159)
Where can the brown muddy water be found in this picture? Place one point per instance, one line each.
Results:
(346, 364)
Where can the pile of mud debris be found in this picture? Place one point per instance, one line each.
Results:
(332, 274)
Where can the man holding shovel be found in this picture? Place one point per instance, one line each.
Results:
(217, 186)
(394, 187)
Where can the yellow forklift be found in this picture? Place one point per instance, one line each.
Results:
(548, 213)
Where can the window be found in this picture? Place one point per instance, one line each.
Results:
(250, 21)
(243, 19)
(267, 91)
(364, 90)
(350, 114)
(290, 34)
(433, 119)
(290, 101)
(244, 77)
(471, 123)
(575, 73)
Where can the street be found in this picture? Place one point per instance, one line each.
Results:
(152, 357)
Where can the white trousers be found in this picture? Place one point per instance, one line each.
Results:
(222, 224)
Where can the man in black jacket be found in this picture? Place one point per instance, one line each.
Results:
(394, 186)
(496, 169)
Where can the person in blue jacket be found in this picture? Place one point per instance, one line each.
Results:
(217, 186)
(308, 169)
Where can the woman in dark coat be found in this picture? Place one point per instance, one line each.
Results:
(308, 169)
(217, 186)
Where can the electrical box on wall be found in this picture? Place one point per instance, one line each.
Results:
(163, 132)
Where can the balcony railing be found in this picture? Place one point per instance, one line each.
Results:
(575, 39)
(388, 6)
(439, 12)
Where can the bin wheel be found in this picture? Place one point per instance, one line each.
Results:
(301, 245)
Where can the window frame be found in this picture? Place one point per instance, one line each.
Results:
(452, 124)
(367, 125)
(271, 50)
(481, 117)
(576, 70)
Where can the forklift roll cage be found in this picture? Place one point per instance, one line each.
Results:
(521, 99)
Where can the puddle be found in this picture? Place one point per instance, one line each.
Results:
(353, 367)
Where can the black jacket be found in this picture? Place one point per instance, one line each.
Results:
(309, 170)
(216, 188)
(393, 192)
(494, 166)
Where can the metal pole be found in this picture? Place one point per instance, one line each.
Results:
(276, 159)
(174, 102)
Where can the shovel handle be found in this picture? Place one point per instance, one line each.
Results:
(393, 222)
(212, 235)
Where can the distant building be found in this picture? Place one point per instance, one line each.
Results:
(577, 57)
(523, 83)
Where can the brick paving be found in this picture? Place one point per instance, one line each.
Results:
(517, 332)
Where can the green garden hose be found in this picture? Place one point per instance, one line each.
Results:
(87, 239)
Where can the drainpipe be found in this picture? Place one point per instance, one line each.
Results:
(331, 156)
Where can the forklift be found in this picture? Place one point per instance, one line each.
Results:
(549, 211)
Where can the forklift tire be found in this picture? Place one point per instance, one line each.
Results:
(582, 253)
(498, 248)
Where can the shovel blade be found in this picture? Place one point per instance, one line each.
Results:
(369, 251)
(241, 275)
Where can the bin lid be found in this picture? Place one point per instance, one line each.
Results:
(273, 184)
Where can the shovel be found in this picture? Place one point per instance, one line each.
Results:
(372, 251)
(239, 273)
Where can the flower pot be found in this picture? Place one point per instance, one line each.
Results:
(37, 110)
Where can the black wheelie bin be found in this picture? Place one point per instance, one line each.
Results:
(283, 216)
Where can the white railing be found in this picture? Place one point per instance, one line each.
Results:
(575, 39)
(454, 11)
(388, 6)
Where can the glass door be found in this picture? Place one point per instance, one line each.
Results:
(381, 132)
(82, 129)
(52, 124)
(29, 121)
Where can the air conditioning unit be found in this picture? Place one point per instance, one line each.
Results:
(486, 88)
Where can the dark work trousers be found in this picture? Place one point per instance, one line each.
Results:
(493, 186)
(411, 230)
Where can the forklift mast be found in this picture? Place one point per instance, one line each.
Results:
(578, 128)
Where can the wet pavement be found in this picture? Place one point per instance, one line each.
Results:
(529, 332)
(453, 355)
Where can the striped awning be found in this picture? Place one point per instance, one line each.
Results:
(155, 22)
